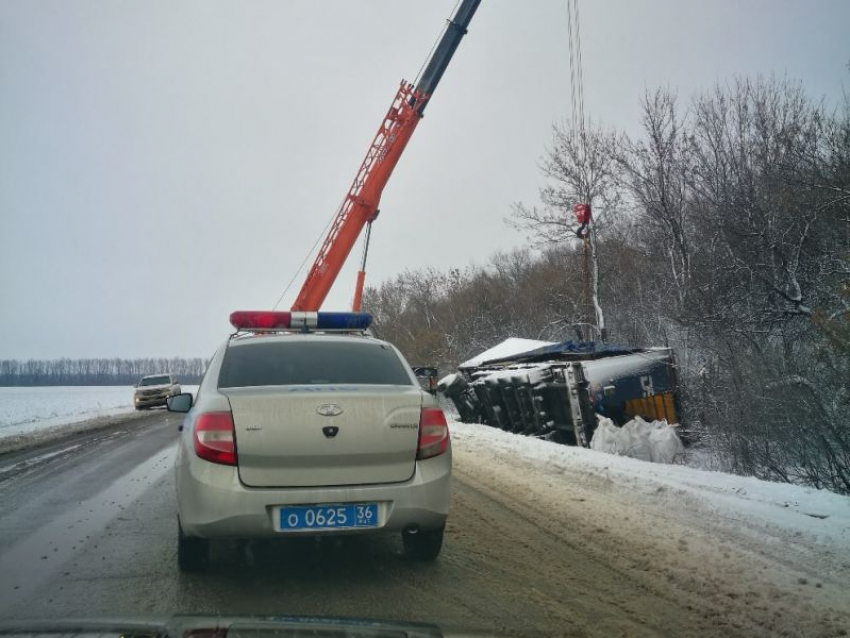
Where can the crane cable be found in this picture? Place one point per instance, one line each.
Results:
(580, 73)
(436, 42)
(304, 262)
(578, 134)
(573, 110)
(576, 74)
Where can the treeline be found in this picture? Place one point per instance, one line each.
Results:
(96, 371)
(723, 231)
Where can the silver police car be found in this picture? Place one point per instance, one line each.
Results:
(304, 424)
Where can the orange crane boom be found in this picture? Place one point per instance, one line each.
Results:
(360, 206)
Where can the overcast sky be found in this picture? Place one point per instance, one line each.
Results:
(164, 163)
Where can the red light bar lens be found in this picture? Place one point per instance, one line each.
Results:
(271, 320)
(259, 319)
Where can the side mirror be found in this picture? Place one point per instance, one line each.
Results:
(179, 402)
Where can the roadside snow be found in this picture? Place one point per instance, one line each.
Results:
(817, 515)
(31, 416)
(759, 559)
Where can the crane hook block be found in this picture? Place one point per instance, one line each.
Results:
(582, 213)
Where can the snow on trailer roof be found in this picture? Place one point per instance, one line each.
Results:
(529, 350)
(511, 347)
(577, 350)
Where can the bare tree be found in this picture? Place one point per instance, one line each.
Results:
(656, 170)
(735, 250)
(580, 167)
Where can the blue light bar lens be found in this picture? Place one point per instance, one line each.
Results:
(343, 320)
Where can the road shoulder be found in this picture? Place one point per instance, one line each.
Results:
(61, 434)
(745, 575)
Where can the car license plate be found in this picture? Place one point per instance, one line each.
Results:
(322, 517)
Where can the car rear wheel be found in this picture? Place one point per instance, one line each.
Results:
(192, 553)
(423, 545)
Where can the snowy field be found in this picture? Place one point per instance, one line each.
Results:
(24, 410)
(28, 415)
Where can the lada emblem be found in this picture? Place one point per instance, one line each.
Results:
(329, 409)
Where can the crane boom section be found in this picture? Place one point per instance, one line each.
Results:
(360, 205)
(445, 49)
(362, 200)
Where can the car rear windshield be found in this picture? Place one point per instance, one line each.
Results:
(311, 363)
(164, 380)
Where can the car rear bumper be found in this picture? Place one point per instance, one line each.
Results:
(213, 503)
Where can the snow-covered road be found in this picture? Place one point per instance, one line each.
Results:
(542, 540)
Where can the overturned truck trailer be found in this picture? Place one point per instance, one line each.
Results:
(556, 390)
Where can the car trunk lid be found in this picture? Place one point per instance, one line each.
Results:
(313, 436)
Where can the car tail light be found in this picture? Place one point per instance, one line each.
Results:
(433, 433)
(214, 438)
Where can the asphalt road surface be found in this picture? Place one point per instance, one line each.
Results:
(88, 530)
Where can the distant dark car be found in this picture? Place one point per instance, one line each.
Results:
(154, 390)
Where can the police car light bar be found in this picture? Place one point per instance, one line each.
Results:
(269, 320)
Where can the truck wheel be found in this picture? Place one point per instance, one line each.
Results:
(423, 545)
(192, 553)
